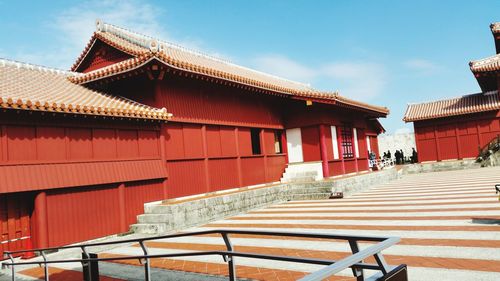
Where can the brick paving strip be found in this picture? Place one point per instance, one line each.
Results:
(60, 274)
(451, 263)
(250, 272)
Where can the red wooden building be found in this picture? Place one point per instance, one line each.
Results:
(82, 151)
(458, 128)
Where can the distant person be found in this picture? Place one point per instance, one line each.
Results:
(398, 157)
(385, 155)
(389, 154)
(414, 156)
(402, 156)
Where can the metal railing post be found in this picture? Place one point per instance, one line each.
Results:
(357, 272)
(147, 266)
(230, 259)
(12, 266)
(46, 266)
(381, 262)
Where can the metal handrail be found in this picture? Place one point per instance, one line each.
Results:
(355, 261)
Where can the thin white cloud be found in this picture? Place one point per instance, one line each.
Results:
(73, 27)
(285, 67)
(357, 80)
(422, 66)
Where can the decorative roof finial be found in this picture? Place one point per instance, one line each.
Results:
(153, 46)
(99, 25)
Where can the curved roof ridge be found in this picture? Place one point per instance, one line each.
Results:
(146, 40)
(18, 64)
(453, 98)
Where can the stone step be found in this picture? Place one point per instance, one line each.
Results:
(297, 180)
(154, 218)
(310, 196)
(150, 228)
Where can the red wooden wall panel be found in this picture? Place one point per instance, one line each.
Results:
(253, 170)
(363, 148)
(174, 141)
(183, 180)
(223, 174)
(228, 141)
(104, 143)
(83, 217)
(50, 143)
(149, 145)
(127, 144)
(193, 142)
(214, 146)
(350, 166)
(335, 168)
(469, 146)
(21, 143)
(203, 102)
(244, 140)
(448, 148)
(80, 143)
(310, 143)
(275, 167)
(268, 141)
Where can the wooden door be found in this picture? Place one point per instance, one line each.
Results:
(15, 231)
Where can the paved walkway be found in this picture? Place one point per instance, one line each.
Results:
(444, 220)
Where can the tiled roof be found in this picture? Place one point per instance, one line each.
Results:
(455, 106)
(485, 65)
(146, 48)
(495, 27)
(29, 87)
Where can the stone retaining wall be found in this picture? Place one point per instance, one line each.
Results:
(160, 218)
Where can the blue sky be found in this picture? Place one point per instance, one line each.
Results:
(383, 52)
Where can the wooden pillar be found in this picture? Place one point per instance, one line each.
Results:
(341, 148)
(238, 157)
(264, 153)
(121, 206)
(478, 136)
(436, 138)
(324, 152)
(163, 157)
(284, 145)
(459, 150)
(41, 221)
(205, 157)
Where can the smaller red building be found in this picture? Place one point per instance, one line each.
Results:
(458, 128)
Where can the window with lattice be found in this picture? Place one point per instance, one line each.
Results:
(347, 146)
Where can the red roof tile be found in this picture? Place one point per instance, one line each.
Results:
(451, 107)
(29, 87)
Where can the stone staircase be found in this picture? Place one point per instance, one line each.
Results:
(302, 172)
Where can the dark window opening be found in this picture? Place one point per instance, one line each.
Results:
(255, 135)
(347, 149)
(278, 148)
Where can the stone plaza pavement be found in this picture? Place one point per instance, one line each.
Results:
(447, 221)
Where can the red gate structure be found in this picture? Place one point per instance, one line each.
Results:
(460, 127)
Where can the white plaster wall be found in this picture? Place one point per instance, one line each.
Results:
(393, 142)
(294, 145)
